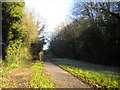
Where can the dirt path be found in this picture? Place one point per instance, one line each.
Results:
(19, 78)
(61, 78)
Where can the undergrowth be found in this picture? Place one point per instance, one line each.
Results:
(6, 67)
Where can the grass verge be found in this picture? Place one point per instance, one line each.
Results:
(99, 76)
(39, 79)
(6, 68)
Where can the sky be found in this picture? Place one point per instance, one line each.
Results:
(54, 11)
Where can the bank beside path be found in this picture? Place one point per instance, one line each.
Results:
(53, 74)
(19, 77)
(61, 78)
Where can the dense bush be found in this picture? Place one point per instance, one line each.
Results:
(18, 33)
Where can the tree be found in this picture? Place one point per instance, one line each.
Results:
(19, 32)
(93, 35)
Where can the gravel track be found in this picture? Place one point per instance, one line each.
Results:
(61, 78)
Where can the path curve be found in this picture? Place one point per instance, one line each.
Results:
(61, 78)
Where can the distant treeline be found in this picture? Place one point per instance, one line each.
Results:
(92, 36)
(19, 34)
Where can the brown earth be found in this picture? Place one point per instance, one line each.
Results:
(19, 78)
(61, 78)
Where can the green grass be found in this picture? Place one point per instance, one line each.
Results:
(6, 67)
(99, 76)
(39, 79)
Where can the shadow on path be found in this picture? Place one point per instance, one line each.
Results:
(60, 77)
(19, 77)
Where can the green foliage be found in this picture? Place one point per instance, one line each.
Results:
(36, 47)
(12, 36)
(39, 79)
(96, 75)
(18, 33)
(93, 36)
(16, 52)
